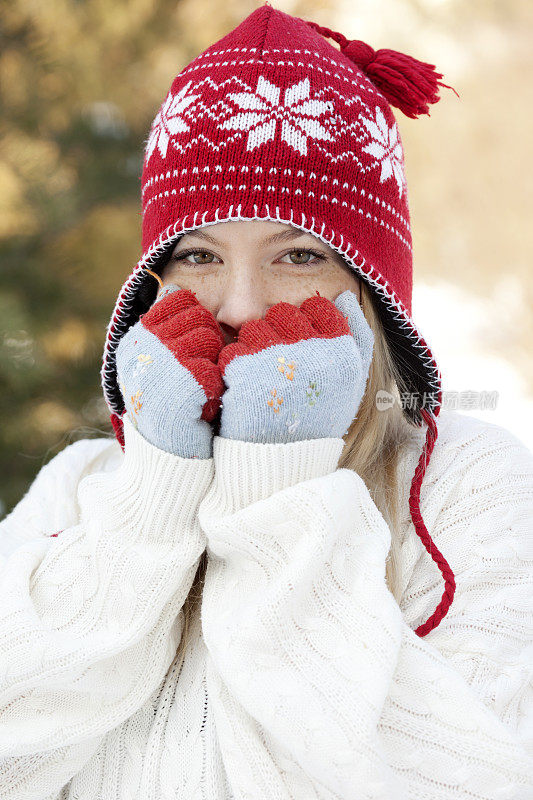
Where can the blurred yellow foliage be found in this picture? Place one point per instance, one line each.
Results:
(69, 341)
(16, 215)
(49, 418)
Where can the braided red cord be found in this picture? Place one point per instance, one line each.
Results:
(335, 35)
(414, 506)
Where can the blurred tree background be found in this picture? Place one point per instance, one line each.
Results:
(80, 85)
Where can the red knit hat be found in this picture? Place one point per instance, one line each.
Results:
(273, 122)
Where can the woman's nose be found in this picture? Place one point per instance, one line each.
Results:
(230, 333)
(238, 304)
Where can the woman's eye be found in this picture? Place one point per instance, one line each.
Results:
(298, 253)
(184, 256)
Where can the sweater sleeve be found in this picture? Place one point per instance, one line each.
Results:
(34, 516)
(90, 620)
(313, 663)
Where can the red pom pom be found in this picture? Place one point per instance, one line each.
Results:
(359, 52)
(405, 82)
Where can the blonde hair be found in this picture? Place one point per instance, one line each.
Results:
(372, 448)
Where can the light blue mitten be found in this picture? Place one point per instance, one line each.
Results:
(299, 373)
(168, 375)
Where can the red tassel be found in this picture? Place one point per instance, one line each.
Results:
(414, 506)
(406, 82)
(118, 427)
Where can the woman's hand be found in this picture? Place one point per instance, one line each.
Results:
(168, 374)
(299, 373)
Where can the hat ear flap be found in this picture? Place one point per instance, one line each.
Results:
(118, 427)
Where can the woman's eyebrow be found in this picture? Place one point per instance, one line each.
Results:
(275, 237)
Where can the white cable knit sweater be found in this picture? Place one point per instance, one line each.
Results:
(303, 679)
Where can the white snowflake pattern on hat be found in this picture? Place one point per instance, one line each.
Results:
(263, 111)
(169, 121)
(386, 148)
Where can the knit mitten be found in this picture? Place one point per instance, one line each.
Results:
(168, 375)
(299, 373)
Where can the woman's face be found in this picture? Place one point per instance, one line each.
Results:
(241, 268)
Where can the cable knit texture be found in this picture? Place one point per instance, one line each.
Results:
(303, 678)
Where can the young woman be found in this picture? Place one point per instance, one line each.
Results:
(265, 588)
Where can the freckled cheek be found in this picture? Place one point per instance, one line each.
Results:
(296, 287)
(187, 279)
(328, 285)
(334, 283)
(205, 287)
